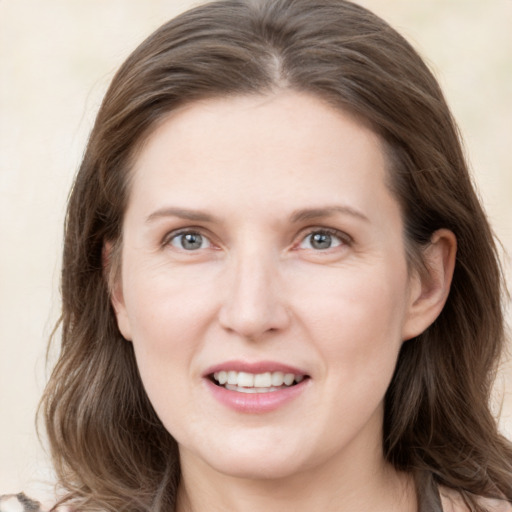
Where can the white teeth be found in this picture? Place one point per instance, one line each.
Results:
(251, 390)
(262, 380)
(277, 378)
(289, 378)
(255, 383)
(245, 380)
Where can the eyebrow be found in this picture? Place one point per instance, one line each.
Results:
(328, 211)
(183, 213)
(297, 216)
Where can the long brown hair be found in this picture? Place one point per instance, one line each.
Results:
(110, 450)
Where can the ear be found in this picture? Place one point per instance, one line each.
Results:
(111, 261)
(429, 287)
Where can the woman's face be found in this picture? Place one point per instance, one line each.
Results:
(262, 247)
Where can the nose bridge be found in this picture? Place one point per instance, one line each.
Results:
(253, 299)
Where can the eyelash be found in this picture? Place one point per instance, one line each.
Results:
(344, 238)
(181, 232)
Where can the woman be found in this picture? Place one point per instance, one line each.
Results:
(279, 288)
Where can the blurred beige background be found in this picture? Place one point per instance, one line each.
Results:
(56, 60)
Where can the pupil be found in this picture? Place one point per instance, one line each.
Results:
(321, 241)
(192, 241)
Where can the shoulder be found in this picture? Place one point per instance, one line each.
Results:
(452, 502)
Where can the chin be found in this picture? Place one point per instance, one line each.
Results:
(253, 462)
(258, 468)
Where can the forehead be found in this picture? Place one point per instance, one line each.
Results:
(276, 149)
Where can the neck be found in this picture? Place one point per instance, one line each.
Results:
(333, 487)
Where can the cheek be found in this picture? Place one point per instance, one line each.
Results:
(356, 321)
(168, 313)
(357, 331)
(167, 334)
(166, 304)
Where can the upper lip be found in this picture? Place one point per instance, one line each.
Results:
(253, 367)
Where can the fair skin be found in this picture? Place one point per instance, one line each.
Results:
(260, 236)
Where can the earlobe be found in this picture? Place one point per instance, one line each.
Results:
(430, 287)
(112, 275)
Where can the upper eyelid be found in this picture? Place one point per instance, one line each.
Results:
(304, 232)
(344, 236)
(166, 239)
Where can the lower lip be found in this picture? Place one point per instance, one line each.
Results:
(256, 403)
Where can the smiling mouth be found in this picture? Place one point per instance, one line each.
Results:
(245, 382)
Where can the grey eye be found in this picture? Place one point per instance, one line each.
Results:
(189, 241)
(321, 240)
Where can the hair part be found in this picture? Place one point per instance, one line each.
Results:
(110, 450)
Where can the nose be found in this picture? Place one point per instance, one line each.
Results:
(253, 300)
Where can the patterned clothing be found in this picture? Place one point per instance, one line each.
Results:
(19, 503)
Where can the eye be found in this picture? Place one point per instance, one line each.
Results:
(323, 239)
(189, 241)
